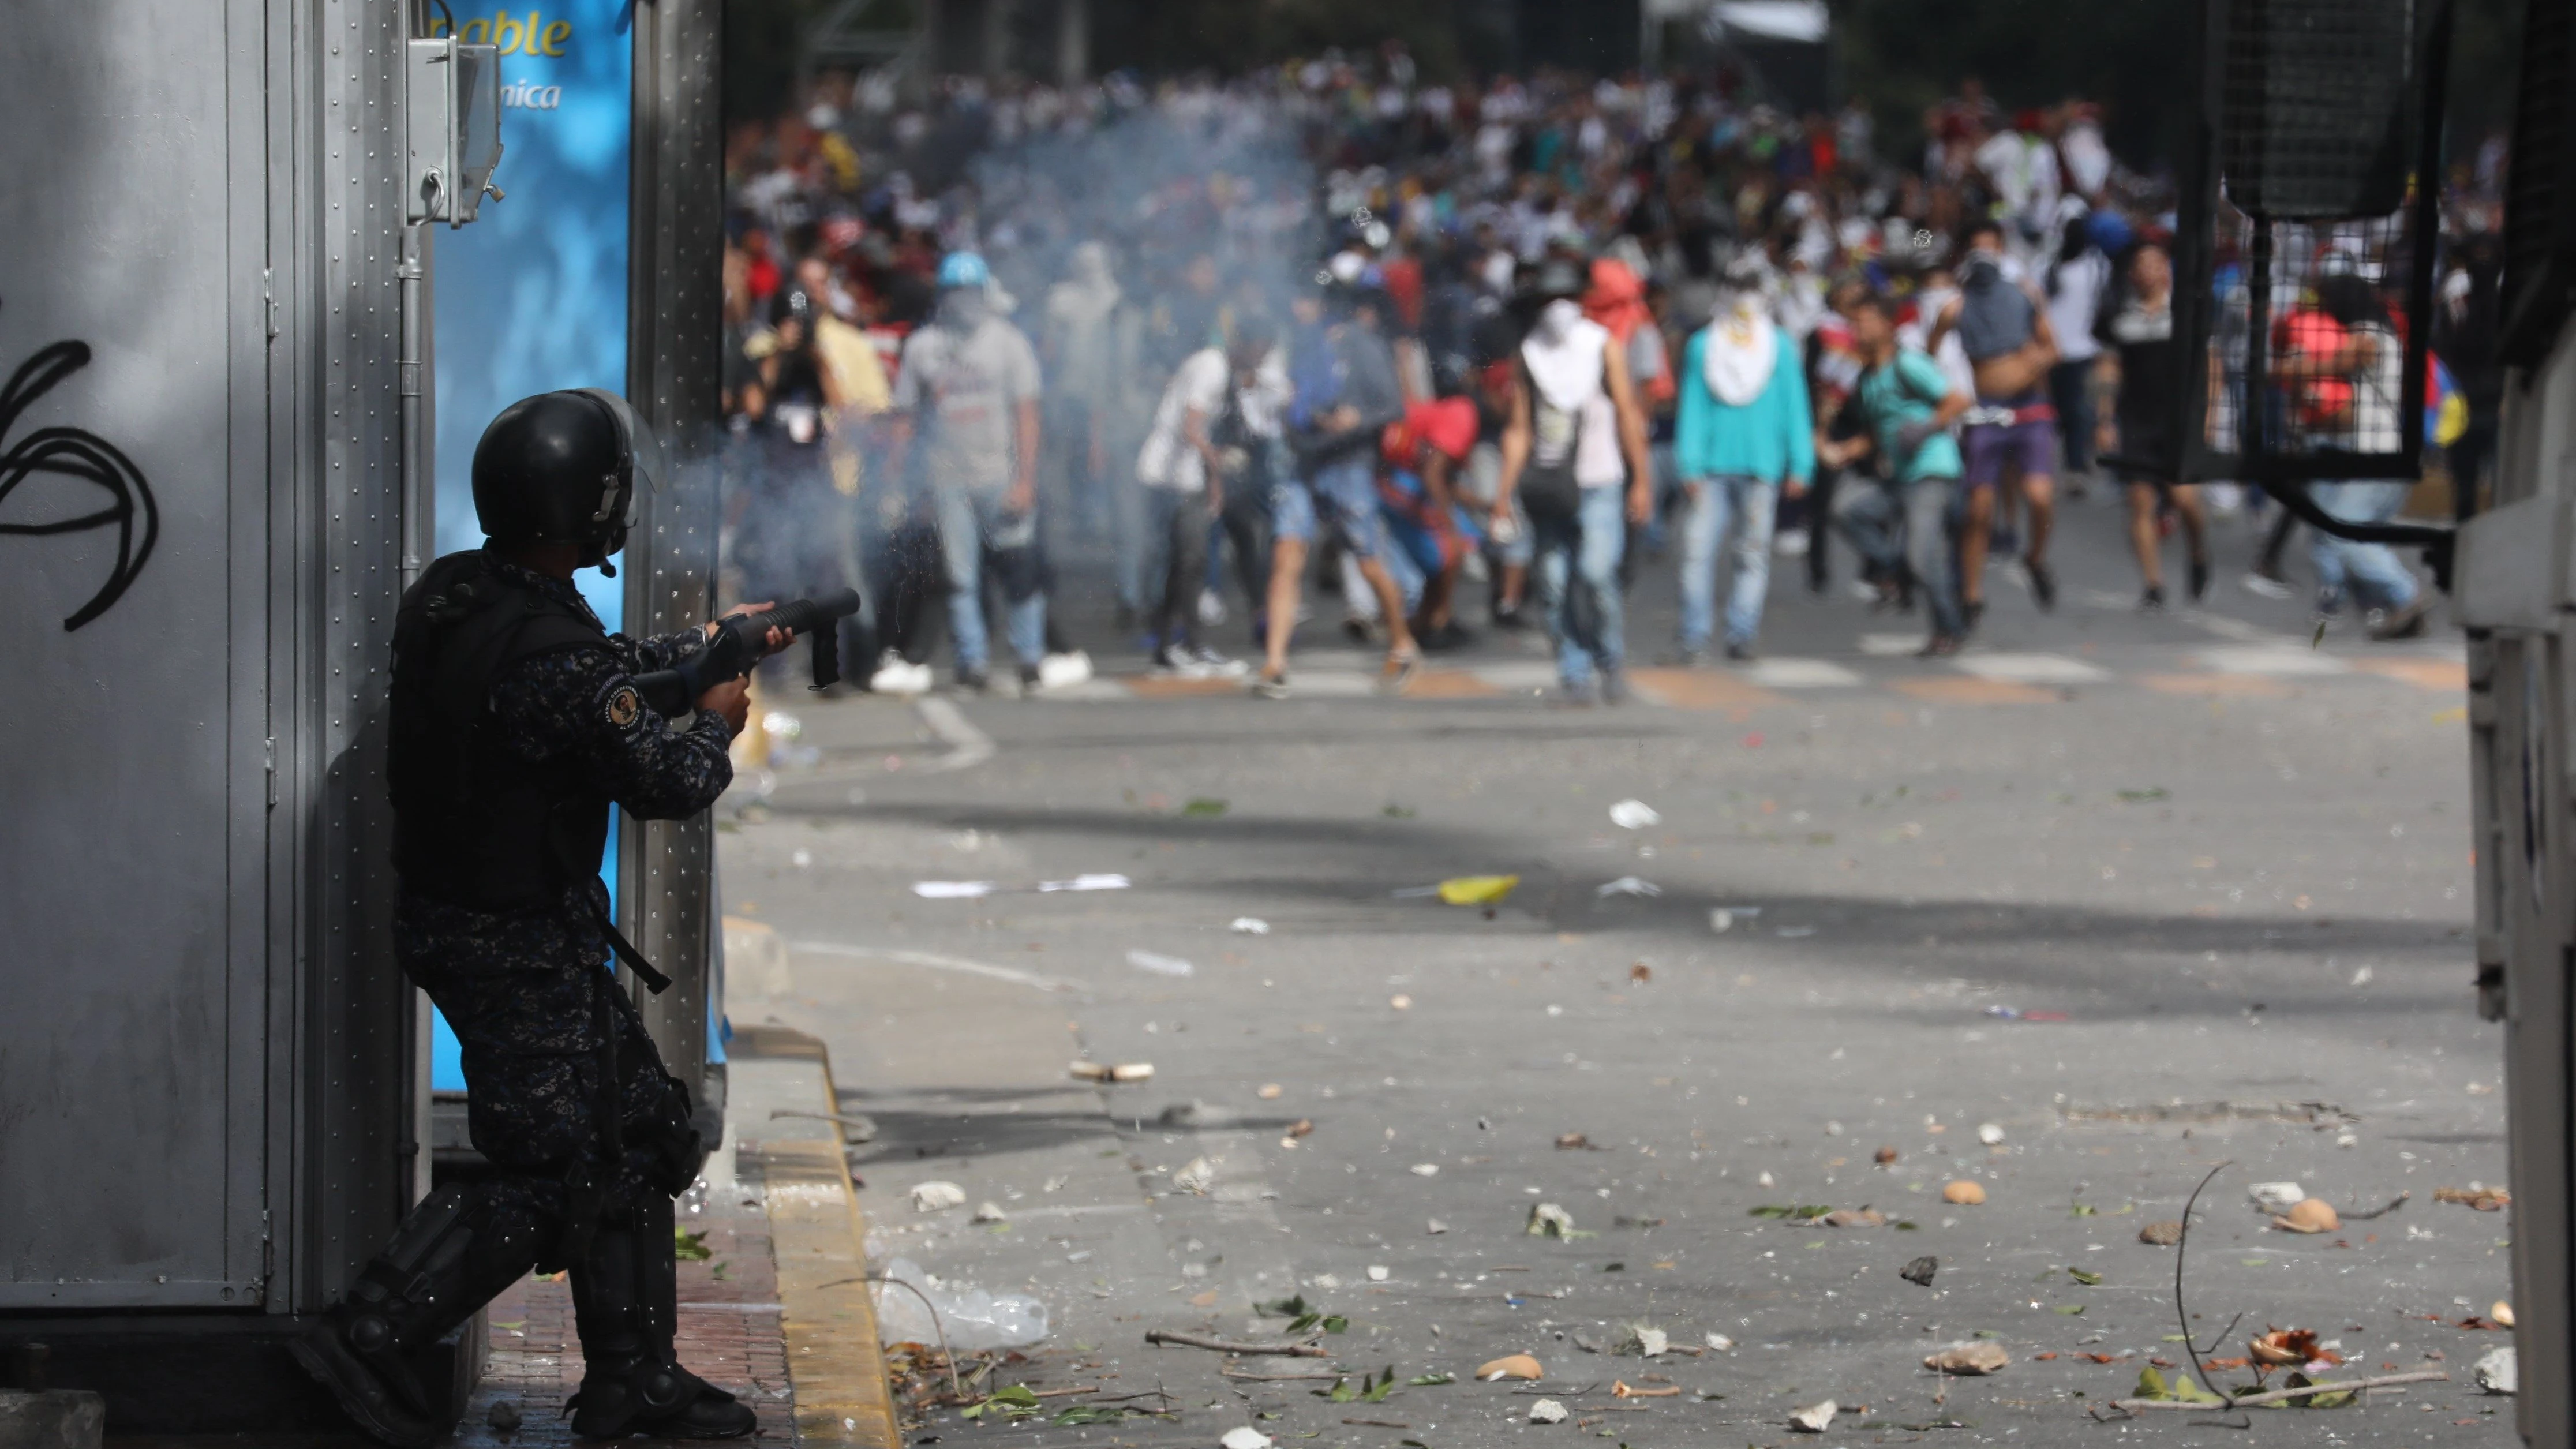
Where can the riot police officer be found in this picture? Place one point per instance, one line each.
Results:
(516, 724)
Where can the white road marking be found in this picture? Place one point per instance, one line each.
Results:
(936, 962)
(2030, 668)
(1889, 646)
(1514, 676)
(1803, 673)
(2272, 659)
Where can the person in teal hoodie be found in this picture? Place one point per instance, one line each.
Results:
(1743, 435)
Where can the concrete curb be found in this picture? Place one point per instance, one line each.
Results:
(819, 1240)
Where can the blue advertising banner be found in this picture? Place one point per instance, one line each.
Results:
(531, 296)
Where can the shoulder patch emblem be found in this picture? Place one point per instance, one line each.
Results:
(625, 707)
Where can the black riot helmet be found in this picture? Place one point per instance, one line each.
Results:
(564, 467)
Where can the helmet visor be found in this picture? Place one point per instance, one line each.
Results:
(645, 462)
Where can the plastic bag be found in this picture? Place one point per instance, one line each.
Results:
(973, 1319)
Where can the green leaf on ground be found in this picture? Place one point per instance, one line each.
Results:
(2089, 1280)
(2141, 797)
(2070, 1309)
(1394, 811)
(1204, 808)
(689, 1246)
(1794, 1212)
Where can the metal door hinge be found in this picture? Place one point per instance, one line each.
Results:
(268, 750)
(268, 299)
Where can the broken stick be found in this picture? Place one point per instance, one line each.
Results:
(2278, 1395)
(1159, 1337)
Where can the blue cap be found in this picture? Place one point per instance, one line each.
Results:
(963, 269)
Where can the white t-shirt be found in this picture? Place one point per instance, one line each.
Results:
(1572, 377)
(2071, 311)
(1168, 460)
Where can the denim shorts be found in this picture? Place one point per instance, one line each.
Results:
(1342, 494)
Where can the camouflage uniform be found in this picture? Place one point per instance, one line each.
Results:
(521, 989)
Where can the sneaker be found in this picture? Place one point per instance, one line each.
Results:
(1211, 608)
(1359, 630)
(1972, 613)
(898, 675)
(2043, 585)
(1614, 687)
(1689, 656)
(971, 679)
(1399, 671)
(1271, 686)
(2406, 623)
(1740, 651)
(1512, 620)
(1060, 671)
(1939, 646)
(2265, 585)
(1452, 635)
(1030, 677)
(1577, 694)
(2153, 600)
(1217, 664)
(2199, 579)
(1179, 662)
(1789, 543)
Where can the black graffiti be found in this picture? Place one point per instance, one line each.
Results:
(79, 454)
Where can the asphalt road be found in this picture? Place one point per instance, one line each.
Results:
(2140, 895)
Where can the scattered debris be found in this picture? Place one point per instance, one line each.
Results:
(1510, 1366)
(1547, 1220)
(1972, 1358)
(1645, 1342)
(2502, 1312)
(1641, 974)
(1813, 1418)
(1883, 1156)
(1721, 1343)
(1377, 1273)
(1204, 808)
(1990, 1133)
(1476, 890)
(933, 1197)
(1435, 1227)
(2497, 1371)
(2392, 1205)
(1159, 965)
(1269, 1091)
(2309, 1215)
(1963, 1192)
(1123, 1072)
(1920, 1271)
(952, 890)
(1424, 1169)
(1764, 1181)
(2484, 1199)
(2291, 1348)
(503, 1415)
(1301, 1128)
(1547, 1411)
(1196, 1177)
(1246, 1437)
(2277, 1197)
(1576, 1141)
(1619, 1389)
(1860, 1217)
(1634, 815)
(2179, 1393)
(1161, 1338)
(1627, 885)
(1721, 920)
(990, 1212)
(1400, 1002)
(1101, 882)
(1789, 1212)
(2160, 1234)
(914, 1307)
(1250, 926)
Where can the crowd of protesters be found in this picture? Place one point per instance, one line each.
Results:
(1480, 353)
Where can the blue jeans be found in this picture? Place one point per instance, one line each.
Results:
(2369, 569)
(1577, 568)
(1342, 494)
(1750, 504)
(972, 525)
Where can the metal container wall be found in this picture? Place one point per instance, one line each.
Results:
(206, 1055)
(675, 315)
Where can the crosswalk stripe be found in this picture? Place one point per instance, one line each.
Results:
(2276, 660)
(1801, 674)
(1517, 676)
(1953, 689)
(1700, 689)
(2030, 668)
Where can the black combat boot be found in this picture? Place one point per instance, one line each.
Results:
(447, 1260)
(625, 1298)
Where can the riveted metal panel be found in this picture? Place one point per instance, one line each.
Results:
(675, 312)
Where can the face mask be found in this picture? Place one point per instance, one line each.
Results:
(965, 309)
(1556, 320)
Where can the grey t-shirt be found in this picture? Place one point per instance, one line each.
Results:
(964, 391)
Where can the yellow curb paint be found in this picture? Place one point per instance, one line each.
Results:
(834, 1360)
